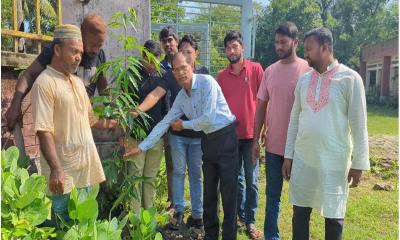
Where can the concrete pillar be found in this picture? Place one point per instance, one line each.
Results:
(246, 26)
(74, 11)
(385, 81)
(363, 72)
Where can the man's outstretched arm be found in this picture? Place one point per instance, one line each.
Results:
(24, 85)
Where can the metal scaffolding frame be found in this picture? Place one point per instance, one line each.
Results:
(190, 28)
(208, 31)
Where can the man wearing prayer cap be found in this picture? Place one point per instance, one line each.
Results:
(94, 32)
(62, 120)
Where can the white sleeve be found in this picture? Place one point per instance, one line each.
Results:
(357, 115)
(293, 124)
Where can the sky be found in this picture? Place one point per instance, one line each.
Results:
(263, 2)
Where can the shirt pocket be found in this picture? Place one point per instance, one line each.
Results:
(70, 156)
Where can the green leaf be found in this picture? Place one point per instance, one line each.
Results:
(146, 216)
(87, 209)
(12, 155)
(123, 222)
(72, 204)
(37, 212)
(100, 99)
(33, 185)
(3, 160)
(117, 202)
(9, 186)
(24, 162)
(93, 192)
(72, 234)
(82, 195)
(24, 175)
(99, 111)
(108, 111)
(158, 236)
(25, 200)
(114, 224)
(143, 229)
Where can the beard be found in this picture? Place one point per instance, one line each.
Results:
(235, 59)
(73, 68)
(91, 54)
(284, 55)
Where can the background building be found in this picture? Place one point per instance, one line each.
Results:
(380, 71)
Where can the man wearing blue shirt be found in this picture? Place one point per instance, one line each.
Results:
(203, 102)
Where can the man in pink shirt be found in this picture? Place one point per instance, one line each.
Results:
(240, 82)
(277, 93)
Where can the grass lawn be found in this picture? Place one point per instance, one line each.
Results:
(382, 120)
(370, 214)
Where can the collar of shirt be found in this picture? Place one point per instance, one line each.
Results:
(166, 64)
(194, 85)
(329, 68)
(69, 78)
(60, 74)
(332, 65)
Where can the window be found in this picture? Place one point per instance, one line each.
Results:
(372, 78)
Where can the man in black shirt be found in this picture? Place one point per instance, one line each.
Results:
(94, 32)
(147, 163)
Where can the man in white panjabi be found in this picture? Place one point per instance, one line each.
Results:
(327, 141)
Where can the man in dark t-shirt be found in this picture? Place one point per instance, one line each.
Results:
(148, 162)
(94, 32)
(86, 70)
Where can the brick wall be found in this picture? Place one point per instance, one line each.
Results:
(380, 50)
(106, 140)
(8, 81)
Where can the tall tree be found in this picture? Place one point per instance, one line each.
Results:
(354, 23)
(304, 13)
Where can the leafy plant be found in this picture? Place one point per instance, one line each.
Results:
(121, 187)
(122, 99)
(83, 212)
(125, 74)
(24, 204)
(160, 202)
(144, 224)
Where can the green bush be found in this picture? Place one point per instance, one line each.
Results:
(144, 224)
(24, 204)
(83, 211)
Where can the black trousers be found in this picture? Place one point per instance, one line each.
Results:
(220, 165)
(169, 167)
(301, 225)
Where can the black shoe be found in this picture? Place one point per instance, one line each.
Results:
(195, 223)
(176, 222)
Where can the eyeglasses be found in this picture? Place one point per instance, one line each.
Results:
(182, 69)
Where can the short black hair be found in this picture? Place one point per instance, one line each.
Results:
(323, 35)
(288, 29)
(190, 39)
(167, 32)
(153, 47)
(233, 36)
